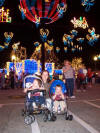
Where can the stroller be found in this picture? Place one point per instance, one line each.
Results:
(64, 91)
(30, 111)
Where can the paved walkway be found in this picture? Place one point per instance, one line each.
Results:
(85, 109)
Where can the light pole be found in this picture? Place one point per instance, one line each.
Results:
(13, 58)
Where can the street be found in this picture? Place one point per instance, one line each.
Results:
(85, 109)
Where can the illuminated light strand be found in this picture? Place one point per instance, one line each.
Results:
(4, 16)
(81, 22)
(92, 37)
(61, 8)
(80, 40)
(87, 4)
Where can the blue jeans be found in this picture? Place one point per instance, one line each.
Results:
(70, 86)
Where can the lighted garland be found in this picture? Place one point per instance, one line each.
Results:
(81, 22)
(5, 16)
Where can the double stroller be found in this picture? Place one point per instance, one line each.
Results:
(42, 105)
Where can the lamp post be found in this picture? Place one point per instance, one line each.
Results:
(13, 58)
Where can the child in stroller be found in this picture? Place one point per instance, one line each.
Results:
(58, 99)
(35, 95)
(35, 99)
(58, 93)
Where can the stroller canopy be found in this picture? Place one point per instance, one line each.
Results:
(28, 80)
(55, 83)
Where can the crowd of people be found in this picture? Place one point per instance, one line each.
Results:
(80, 81)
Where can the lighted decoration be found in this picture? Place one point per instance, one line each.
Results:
(87, 4)
(92, 37)
(76, 63)
(2, 2)
(67, 39)
(65, 49)
(18, 52)
(80, 40)
(15, 46)
(45, 10)
(8, 37)
(73, 50)
(36, 44)
(23, 11)
(81, 22)
(1, 48)
(37, 20)
(61, 8)
(74, 32)
(4, 15)
(57, 49)
(43, 34)
(50, 42)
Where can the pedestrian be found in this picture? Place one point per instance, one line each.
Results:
(68, 73)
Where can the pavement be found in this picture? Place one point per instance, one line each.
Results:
(85, 109)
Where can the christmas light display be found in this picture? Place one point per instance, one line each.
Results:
(74, 32)
(2, 2)
(92, 37)
(18, 52)
(87, 4)
(46, 11)
(81, 22)
(8, 36)
(67, 39)
(61, 9)
(80, 40)
(50, 42)
(23, 11)
(36, 44)
(57, 49)
(65, 49)
(46, 46)
(1, 48)
(43, 34)
(4, 15)
(76, 63)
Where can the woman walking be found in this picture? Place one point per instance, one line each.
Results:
(68, 72)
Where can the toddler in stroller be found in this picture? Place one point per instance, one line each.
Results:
(35, 99)
(58, 93)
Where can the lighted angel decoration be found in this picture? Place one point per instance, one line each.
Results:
(92, 37)
(87, 4)
(61, 8)
(74, 32)
(68, 39)
(80, 40)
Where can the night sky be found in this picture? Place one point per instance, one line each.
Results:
(27, 33)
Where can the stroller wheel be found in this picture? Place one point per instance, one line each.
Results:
(70, 117)
(29, 119)
(23, 112)
(45, 118)
(53, 117)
